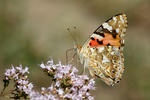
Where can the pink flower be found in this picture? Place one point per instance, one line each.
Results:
(66, 83)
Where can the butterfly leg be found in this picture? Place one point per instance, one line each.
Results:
(71, 60)
(67, 51)
(92, 73)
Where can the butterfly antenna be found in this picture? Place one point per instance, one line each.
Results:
(72, 36)
(74, 43)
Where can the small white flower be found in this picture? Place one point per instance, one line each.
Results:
(78, 82)
(42, 66)
(16, 76)
(25, 70)
(30, 86)
(58, 75)
(84, 77)
(91, 84)
(90, 98)
(57, 84)
(74, 70)
(22, 82)
(43, 88)
(50, 88)
(20, 87)
(68, 95)
(50, 62)
(19, 68)
(60, 91)
(10, 72)
(64, 69)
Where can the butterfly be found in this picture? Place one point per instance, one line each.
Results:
(102, 53)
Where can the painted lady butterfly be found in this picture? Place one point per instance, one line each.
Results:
(103, 52)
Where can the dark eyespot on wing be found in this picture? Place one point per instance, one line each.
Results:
(114, 79)
(122, 45)
(90, 43)
(113, 71)
(92, 38)
(100, 42)
(108, 44)
(114, 31)
(114, 36)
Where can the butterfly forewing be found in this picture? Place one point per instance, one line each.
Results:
(102, 53)
(115, 26)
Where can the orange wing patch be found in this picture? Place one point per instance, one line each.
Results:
(108, 39)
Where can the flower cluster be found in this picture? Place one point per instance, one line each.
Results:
(22, 86)
(66, 83)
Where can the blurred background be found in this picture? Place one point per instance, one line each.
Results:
(32, 31)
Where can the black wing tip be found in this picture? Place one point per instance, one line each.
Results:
(120, 14)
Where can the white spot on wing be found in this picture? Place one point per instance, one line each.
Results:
(106, 26)
(105, 59)
(115, 19)
(117, 30)
(122, 41)
(112, 53)
(92, 50)
(97, 36)
(120, 68)
(121, 18)
(100, 49)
